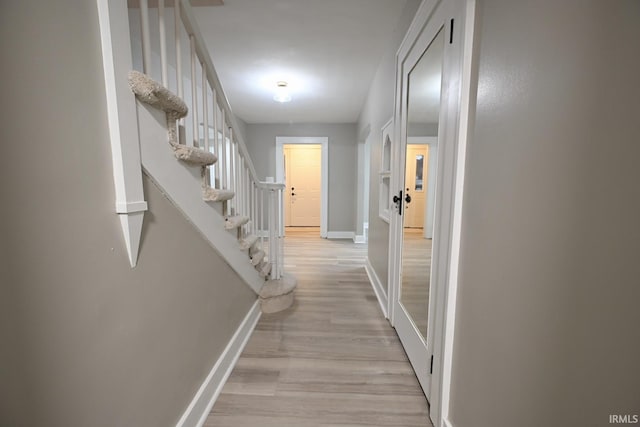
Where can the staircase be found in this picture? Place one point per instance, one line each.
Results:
(203, 167)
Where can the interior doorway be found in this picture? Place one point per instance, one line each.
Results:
(298, 162)
(416, 186)
(303, 183)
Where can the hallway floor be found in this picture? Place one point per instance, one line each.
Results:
(332, 359)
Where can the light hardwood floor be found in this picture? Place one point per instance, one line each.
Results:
(416, 276)
(330, 360)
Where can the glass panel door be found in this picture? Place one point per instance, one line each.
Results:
(423, 113)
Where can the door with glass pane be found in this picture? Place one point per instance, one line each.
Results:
(416, 187)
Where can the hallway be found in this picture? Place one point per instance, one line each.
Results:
(331, 359)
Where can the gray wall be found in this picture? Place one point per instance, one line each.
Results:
(242, 128)
(91, 341)
(261, 143)
(377, 110)
(548, 320)
(12, 387)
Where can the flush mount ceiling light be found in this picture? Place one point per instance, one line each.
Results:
(282, 92)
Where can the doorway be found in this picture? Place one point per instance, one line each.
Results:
(416, 186)
(295, 142)
(303, 183)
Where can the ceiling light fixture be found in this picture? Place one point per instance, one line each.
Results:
(282, 92)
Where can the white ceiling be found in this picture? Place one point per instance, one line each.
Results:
(327, 50)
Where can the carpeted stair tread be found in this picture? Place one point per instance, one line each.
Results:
(153, 93)
(248, 242)
(254, 249)
(276, 288)
(193, 155)
(277, 295)
(276, 304)
(232, 222)
(210, 194)
(264, 269)
(257, 257)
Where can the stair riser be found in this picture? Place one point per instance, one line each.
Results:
(276, 304)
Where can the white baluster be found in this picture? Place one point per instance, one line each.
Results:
(240, 184)
(253, 207)
(247, 194)
(281, 233)
(273, 250)
(163, 44)
(225, 183)
(146, 42)
(205, 107)
(216, 141)
(178, 30)
(243, 187)
(237, 175)
(194, 93)
(262, 217)
(232, 168)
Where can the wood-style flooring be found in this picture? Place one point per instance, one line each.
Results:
(332, 359)
(416, 276)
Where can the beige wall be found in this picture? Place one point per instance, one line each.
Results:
(548, 320)
(377, 110)
(97, 343)
(261, 143)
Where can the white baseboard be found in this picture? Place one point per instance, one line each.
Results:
(199, 408)
(340, 235)
(377, 288)
(359, 239)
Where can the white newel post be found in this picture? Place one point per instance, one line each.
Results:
(123, 126)
(273, 247)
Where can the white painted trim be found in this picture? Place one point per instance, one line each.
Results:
(385, 206)
(359, 239)
(341, 235)
(431, 140)
(123, 127)
(324, 196)
(131, 207)
(198, 410)
(467, 114)
(378, 289)
(446, 423)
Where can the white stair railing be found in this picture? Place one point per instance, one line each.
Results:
(212, 125)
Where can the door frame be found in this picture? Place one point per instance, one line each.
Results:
(464, 14)
(323, 141)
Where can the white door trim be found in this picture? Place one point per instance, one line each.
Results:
(468, 83)
(324, 196)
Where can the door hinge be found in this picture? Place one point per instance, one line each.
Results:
(431, 368)
(451, 32)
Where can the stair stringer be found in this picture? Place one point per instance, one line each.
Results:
(182, 186)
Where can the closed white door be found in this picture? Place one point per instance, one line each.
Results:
(413, 277)
(303, 180)
(416, 185)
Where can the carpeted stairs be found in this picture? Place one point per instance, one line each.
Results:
(276, 294)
